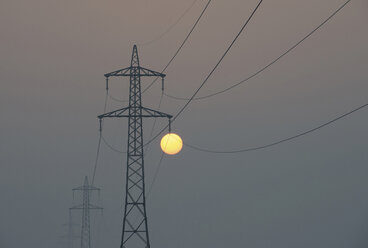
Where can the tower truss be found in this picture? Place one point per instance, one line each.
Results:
(135, 227)
(86, 206)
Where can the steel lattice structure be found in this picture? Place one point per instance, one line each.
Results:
(135, 228)
(70, 236)
(86, 206)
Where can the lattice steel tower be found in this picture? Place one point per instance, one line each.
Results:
(70, 236)
(135, 228)
(86, 206)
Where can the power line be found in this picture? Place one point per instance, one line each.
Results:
(99, 145)
(154, 122)
(181, 46)
(96, 160)
(170, 27)
(175, 54)
(162, 154)
(157, 168)
(280, 141)
(155, 175)
(115, 98)
(211, 72)
(208, 76)
(253, 75)
(110, 146)
(167, 65)
(219, 62)
(268, 65)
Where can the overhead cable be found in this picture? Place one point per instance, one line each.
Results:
(181, 45)
(98, 146)
(211, 72)
(268, 65)
(175, 54)
(279, 141)
(170, 27)
(110, 146)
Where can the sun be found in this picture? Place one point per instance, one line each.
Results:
(171, 144)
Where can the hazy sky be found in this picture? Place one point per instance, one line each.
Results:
(311, 192)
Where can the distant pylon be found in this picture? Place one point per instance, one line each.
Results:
(86, 206)
(135, 227)
(70, 236)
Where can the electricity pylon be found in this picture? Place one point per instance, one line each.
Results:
(86, 206)
(135, 228)
(70, 236)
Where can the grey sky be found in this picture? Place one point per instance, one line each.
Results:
(311, 192)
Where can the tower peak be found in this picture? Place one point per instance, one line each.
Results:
(135, 58)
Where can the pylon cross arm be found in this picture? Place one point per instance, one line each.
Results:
(91, 206)
(78, 207)
(127, 72)
(81, 207)
(149, 73)
(124, 112)
(147, 112)
(89, 187)
(119, 73)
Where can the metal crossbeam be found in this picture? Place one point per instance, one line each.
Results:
(142, 72)
(124, 112)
